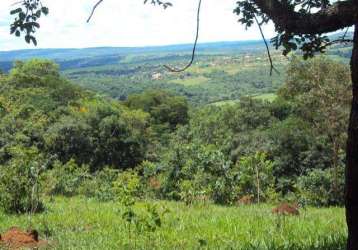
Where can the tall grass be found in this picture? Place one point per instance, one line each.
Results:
(78, 223)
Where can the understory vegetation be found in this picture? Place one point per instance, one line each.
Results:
(69, 153)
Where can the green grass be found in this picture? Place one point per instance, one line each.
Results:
(231, 69)
(270, 97)
(191, 81)
(78, 223)
(226, 102)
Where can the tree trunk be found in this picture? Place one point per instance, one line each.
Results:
(351, 195)
(258, 184)
(335, 169)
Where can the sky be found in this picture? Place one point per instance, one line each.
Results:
(129, 23)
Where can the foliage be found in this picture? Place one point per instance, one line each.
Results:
(315, 188)
(20, 190)
(127, 186)
(309, 42)
(101, 185)
(40, 108)
(100, 133)
(256, 175)
(65, 179)
(164, 108)
(297, 133)
(27, 17)
(190, 154)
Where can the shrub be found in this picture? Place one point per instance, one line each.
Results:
(316, 188)
(151, 179)
(19, 187)
(127, 184)
(209, 170)
(103, 184)
(256, 176)
(65, 179)
(111, 185)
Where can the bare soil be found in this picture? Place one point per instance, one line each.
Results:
(286, 209)
(15, 239)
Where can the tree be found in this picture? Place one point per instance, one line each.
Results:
(320, 90)
(299, 24)
(165, 109)
(302, 23)
(258, 170)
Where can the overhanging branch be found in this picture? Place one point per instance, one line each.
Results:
(194, 47)
(337, 16)
(272, 67)
(93, 10)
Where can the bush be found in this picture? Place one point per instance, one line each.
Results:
(111, 185)
(102, 184)
(316, 188)
(256, 176)
(195, 171)
(65, 179)
(19, 187)
(151, 179)
(127, 184)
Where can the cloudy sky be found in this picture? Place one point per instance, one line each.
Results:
(129, 23)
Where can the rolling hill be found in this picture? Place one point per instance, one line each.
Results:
(222, 71)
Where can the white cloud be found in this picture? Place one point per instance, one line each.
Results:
(130, 23)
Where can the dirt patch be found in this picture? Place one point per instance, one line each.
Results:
(286, 209)
(245, 200)
(15, 238)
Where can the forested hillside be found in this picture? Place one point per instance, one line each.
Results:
(221, 133)
(298, 137)
(222, 71)
(59, 139)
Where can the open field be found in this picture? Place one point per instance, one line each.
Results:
(270, 97)
(79, 223)
(266, 97)
(191, 81)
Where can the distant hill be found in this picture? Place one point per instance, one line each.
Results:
(101, 56)
(222, 71)
(77, 58)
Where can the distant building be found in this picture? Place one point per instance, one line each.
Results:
(157, 76)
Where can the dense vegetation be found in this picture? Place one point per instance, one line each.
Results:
(59, 139)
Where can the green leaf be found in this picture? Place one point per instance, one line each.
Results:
(27, 39)
(33, 39)
(45, 10)
(13, 12)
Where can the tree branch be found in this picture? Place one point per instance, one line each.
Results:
(93, 10)
(339, 41)
(194, 47)
(339, 15)
(272, 67)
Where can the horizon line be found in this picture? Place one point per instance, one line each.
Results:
(133, 47)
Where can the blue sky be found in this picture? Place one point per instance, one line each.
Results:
(129, 23)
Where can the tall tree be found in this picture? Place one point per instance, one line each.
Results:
(299, 25)
(302, 23)
(321, 90)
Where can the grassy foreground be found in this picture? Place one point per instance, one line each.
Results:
(79, 223)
